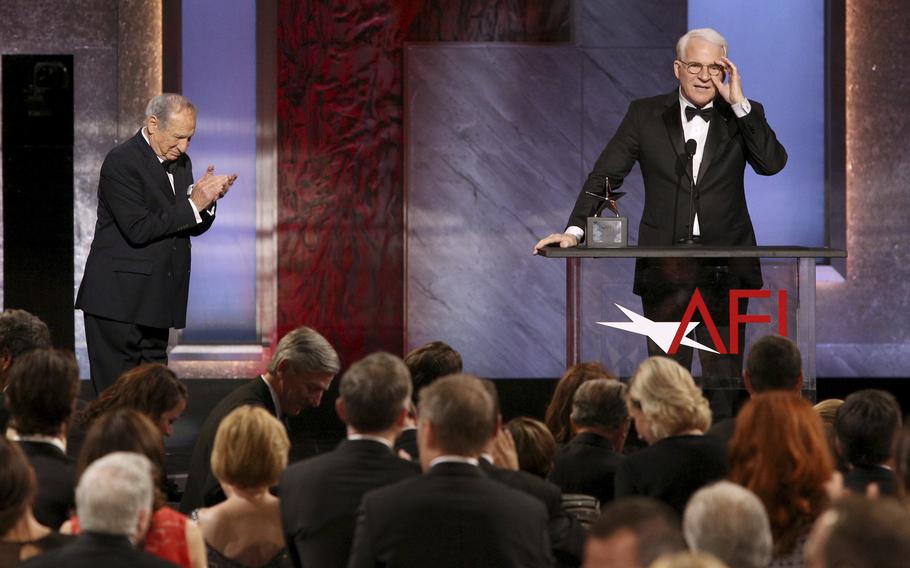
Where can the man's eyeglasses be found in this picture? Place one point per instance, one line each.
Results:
(695, 68)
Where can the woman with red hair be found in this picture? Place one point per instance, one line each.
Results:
(780, 453)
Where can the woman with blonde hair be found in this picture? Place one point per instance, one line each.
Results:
(671, 415)
(249, 453)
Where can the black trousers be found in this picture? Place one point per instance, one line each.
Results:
(115, 347)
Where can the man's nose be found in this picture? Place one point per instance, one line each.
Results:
(182, 145)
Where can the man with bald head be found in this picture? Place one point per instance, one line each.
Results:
(137, 275)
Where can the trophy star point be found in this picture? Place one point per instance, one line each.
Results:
(660, 332)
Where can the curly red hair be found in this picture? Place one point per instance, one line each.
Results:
(780, 453)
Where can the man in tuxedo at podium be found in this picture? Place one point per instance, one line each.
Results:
(729, 131)
(137, 275)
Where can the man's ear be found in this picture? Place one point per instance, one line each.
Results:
(747, 383)
(340, 410)
(142, 526)
(799, 382)
(573, 425)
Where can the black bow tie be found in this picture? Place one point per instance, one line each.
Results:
(705, 113)
(170, 166)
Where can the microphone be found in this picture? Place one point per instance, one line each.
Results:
(691, 147)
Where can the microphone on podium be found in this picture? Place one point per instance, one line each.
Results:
(691, 147)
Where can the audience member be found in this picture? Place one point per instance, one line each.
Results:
(866, 425)
(113, 499)
(587, 464)
(690, 560)
(454, 515)
(860, 533)
(41, 393)
(425, 364)
(534, 445)
(567, 535)
(320, 496)
(779, 453)
(774, 363)
(244, 531)
(170, 535)
(20, 332)
(902, 462)
(730, 522)
(21, 535)
(560, 407)
(632, 533)
(671, 415)
(300, 371)
(827, 410)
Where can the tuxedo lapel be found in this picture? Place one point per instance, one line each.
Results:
(673, 124)
(717, 136)
(154, 168)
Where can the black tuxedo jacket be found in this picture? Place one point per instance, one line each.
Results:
(56, 476)
(859, 477)
(320, 497)
(138, 269)
(97, 550)
(652, 135)
(407, 441)
(454, 516)
(567, 536)
(202, 489)
(587, 465)
(672, 469)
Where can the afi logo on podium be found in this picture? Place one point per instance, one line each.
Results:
(670, 335)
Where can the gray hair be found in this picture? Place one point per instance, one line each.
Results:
(375, 391)
(21, 331)
(166, 105)
(730, 522)
(461, 411)
(113, 491)
(306, 351)
(600, 402)
(708, 34)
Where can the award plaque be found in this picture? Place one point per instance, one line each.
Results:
(610, 231)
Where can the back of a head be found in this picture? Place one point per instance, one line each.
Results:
(17, 486)
(41, 390)
(112, 493)
(730, 522)
(21, 332)
(560, 407)
(866, 425)
(306, 351)
(534, 444)
(250, 449)
(430, 362)
(461, 413)
(152, 389)
(774, 363)
(827, 410)
(654, 524)
(669, 397)
(375, 390)
(690, 560)
(862, 533)
(902, 460)
(600, 403)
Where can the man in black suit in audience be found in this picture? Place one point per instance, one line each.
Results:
(453, 515)
(320, 496)
(860, 533)
(114, 504)
(426, 364)
(773, 363)
(632, 533)
(41, 394)
(866, 424)
(137, 275)
(20, 332)
(587, 464)
(300, 371)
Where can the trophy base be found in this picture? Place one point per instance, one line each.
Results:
(695, 241)
(607, 232)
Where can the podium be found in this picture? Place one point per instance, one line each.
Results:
(805, 259)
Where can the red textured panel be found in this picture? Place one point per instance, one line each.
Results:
(340, 149)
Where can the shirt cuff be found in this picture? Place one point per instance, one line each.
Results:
(189, 192)
(576, 232)
(742, 108)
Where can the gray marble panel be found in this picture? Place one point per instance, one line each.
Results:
(46, 26)
(629, 23)
(493, 163)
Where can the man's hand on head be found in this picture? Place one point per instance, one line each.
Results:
(565, 240)
(732, 90)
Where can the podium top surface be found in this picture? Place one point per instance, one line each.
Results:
(696, 251)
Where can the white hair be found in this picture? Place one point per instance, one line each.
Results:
(113, 491)
(306, 351)
(708, 34)
(730, 522)
(166, 105)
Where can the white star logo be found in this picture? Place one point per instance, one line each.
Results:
(660, 332)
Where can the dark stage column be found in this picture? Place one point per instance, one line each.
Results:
(38, 189)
